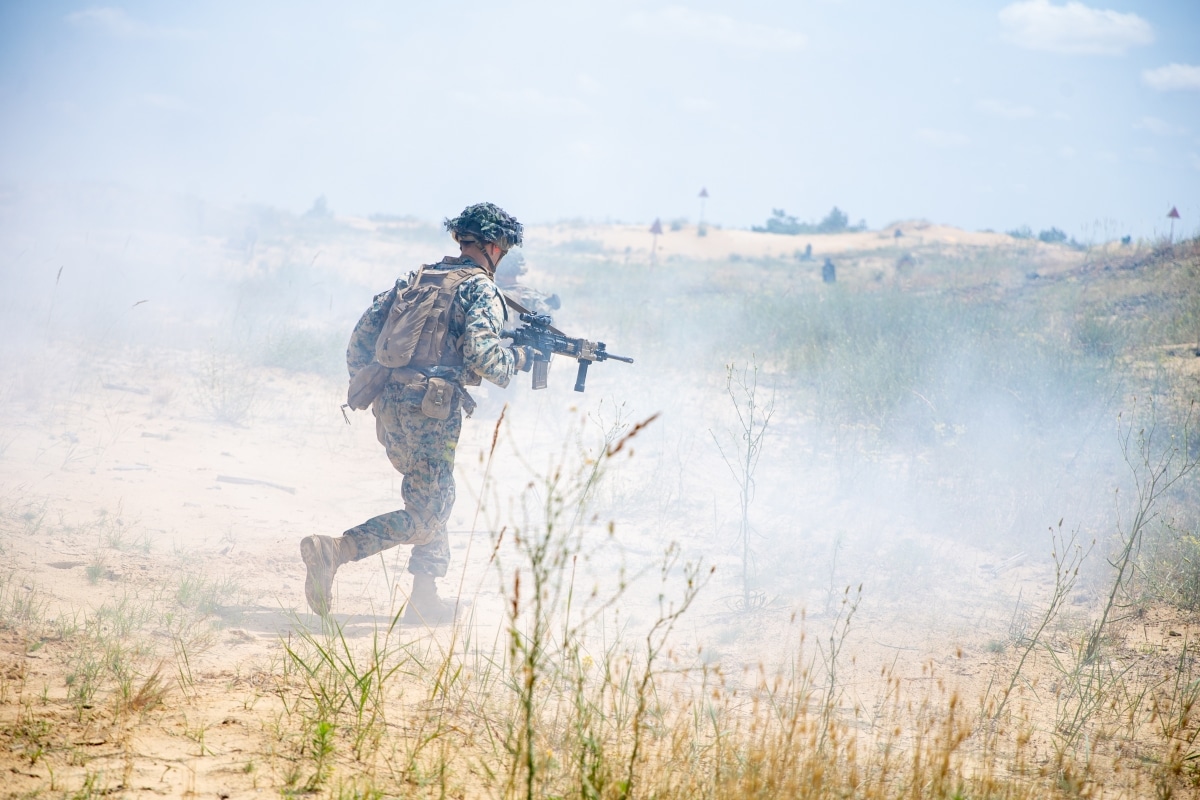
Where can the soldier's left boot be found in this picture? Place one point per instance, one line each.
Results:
(424, 605)
(323, 555)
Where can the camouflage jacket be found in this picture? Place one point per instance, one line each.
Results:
(476, 319)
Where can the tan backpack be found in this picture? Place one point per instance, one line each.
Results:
(414, 334)
(415, 331)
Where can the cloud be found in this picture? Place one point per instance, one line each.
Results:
(707, 27)
(115, 22)
(1195, 159)
(939, 138)
(999, 108)
(1073, 28)
(1158, 126)
(1172, 76)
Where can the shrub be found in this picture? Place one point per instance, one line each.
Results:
(295, 349)
(1169, 566)
(836, 221)
(781, 222)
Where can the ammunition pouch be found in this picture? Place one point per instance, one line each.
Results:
(439, 398)
(437, 402)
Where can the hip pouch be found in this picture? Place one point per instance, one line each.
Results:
(366, 385)
(439, 399)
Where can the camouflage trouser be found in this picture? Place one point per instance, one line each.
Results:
(422, 449)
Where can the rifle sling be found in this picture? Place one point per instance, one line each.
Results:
(520, 309)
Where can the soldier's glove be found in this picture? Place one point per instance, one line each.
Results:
(525, 356)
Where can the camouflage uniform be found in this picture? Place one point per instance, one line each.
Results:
(419, 447)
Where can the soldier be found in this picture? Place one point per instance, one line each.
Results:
(828, 271)
(508, 278)
(419, 444)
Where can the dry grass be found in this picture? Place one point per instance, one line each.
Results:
(568, 708)
(569, 699)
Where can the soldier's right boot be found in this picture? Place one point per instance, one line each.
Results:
(425, 607)
(323, 555)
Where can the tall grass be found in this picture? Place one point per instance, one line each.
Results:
(569, 706)
(579, 697)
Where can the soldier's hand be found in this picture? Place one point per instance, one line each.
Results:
(525, 356)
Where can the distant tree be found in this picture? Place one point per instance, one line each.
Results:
(836, 221)
(781, 222)
(1052, 236)
(319, 210)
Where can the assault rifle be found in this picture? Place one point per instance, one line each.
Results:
(547, 340)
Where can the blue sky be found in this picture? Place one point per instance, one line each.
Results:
(985, 115)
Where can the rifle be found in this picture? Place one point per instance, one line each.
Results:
(546, 340)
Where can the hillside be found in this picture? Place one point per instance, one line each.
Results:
(943, 430)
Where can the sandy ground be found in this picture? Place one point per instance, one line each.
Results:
(131, 474)
(721, 243)
(117, 485)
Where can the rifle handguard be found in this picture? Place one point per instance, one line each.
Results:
(541, 337)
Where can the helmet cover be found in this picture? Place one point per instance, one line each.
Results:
(490, 223)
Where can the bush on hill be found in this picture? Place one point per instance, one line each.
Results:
(836, 221)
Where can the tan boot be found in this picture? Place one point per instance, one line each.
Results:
(322, 555)
(425, 607)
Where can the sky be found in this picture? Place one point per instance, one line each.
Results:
(985, 115)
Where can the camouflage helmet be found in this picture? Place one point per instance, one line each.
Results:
(490, 223)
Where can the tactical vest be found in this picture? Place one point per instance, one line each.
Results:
(415, 333)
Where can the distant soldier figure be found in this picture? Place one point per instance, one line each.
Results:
(508, 279)
(418, 409)
(828, 271)
(807, 252)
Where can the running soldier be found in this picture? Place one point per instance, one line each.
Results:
(418, 411)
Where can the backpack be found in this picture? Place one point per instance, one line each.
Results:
(415, 331)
